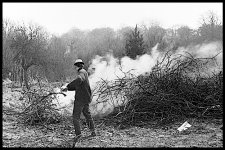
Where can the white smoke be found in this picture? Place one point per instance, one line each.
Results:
(206, 50)
(110, 68)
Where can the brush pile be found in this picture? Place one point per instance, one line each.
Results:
(178, 86)
(35, 107)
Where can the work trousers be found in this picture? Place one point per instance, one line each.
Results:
(77, 109)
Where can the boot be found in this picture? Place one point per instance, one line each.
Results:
(76, 139)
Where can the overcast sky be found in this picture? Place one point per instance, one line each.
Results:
(58, 18)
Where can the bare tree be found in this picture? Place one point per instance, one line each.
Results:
(56, 59)
(29, 44)
(184, 35)
(7, 56)
(211, 27)
(153, 35)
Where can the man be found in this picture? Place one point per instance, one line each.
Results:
(82, 100)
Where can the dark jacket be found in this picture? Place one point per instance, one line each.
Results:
(81, 86)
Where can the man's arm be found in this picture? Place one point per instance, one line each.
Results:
(72, 85)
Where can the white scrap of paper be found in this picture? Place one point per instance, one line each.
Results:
(184, 126)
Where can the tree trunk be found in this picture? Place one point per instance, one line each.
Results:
(21, 76)
(26, 78)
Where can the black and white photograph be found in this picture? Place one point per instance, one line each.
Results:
(112, 74)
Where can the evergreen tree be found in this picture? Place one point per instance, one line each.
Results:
(134, 44)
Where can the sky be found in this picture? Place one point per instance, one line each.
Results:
(59, 18)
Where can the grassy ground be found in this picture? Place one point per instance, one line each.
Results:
(202, 133)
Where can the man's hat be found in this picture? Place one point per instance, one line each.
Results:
(78, 61)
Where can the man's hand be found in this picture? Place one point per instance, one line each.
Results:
(64, 89)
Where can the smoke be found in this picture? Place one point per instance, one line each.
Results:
(206, 50)
(110, 68)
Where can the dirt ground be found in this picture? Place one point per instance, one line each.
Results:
(202, 133)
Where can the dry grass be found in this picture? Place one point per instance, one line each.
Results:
(201, 134)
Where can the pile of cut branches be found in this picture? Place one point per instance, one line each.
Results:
(35, 106)
(176, 87)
